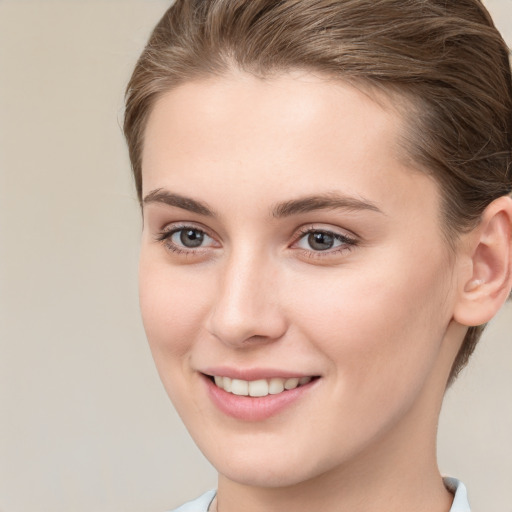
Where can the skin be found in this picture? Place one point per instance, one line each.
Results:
(373, 318)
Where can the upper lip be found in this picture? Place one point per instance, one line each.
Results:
(251, 374)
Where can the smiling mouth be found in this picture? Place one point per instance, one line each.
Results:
(260, 387)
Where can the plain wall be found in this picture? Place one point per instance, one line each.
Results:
(84, 422)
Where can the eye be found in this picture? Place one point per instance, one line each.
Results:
(319, 240)
(183, 239)
(189, 238)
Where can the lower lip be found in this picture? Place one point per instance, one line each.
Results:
(249, 408)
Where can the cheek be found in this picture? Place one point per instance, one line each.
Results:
(381, 327)
(172, 307)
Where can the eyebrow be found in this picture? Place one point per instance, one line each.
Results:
(160, 195)
(329, 201)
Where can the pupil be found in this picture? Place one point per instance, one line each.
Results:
(320, 241)
(191, 238)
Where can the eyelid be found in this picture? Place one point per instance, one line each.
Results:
(348, 239)
(315, 228)
(172, 227)
(165, 235)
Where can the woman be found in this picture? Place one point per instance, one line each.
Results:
(325, 188)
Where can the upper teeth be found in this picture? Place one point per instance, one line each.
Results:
(262, 387)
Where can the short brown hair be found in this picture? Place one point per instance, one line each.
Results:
(446, 59)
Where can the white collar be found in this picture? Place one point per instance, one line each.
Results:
(460, 499)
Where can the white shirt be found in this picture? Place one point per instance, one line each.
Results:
(460, 499)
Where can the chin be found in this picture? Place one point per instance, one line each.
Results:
(267, 475)
(263, 464)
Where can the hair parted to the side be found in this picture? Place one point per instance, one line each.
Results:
(444, 59)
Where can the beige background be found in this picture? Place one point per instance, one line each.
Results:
(84, 422)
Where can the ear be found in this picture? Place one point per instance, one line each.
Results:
(486, 280)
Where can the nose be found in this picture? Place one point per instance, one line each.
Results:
(245, 309)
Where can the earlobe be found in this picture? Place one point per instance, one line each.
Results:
(487, 285)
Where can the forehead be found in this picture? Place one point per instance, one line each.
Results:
(242, 105)
(268, 138)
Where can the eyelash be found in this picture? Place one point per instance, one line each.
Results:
(165, 237)
(346, 242)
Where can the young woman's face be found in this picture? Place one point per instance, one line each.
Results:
(287, 244)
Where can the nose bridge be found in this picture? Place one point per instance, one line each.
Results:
(245, 306)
